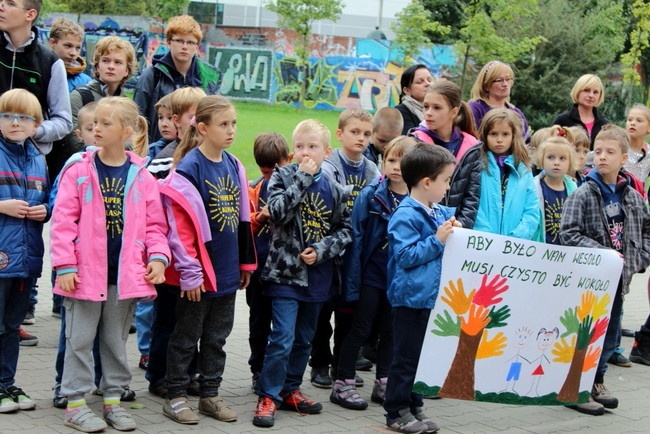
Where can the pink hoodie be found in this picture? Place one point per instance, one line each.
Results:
(78, 232)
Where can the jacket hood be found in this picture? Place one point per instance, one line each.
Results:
(77, 67)
(608, 195)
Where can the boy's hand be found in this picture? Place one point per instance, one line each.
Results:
(37, 213)
(263, 215)
(308, 165)
(455, 223)
(155, 272)
(309, 256)
(244, 279)
(444, 230)
(193, 294)
(14, 208)
(68, 282)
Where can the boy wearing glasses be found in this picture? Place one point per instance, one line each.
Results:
(180, 67)
(24, 189)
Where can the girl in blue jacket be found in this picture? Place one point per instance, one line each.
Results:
(508, 203)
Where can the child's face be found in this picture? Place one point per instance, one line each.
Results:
(109, 132)
(637, 124)
(183, 47)
(310, 145)
(86, 131)
(438, 114)
(556, 161)
(17, 127)
(166, 124)
(581, 156)
(112, 67)
(183, 121)
(67, 48)
(499, 139)
(268, 171)
(220, 132)
(391, 168)
(382, 136)
(608, 158)
(437, 188)
(355, 136)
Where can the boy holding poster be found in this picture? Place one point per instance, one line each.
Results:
(607, 213)
(416, 239)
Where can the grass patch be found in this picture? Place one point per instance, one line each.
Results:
(256, 118)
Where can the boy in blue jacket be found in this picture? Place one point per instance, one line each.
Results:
(416, 240)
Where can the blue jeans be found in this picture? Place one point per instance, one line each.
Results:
(612, 335)
(144, 314)
(14, 302)
(294, 325)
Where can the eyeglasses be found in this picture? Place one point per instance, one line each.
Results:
(181, 41)
(12, 4)
(10, 118)
(509, 80)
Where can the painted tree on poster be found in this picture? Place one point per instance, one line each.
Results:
(475, 312)
(584, 325)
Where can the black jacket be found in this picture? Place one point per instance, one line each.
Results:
(572, 118)
(465, 190)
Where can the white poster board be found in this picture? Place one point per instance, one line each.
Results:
(517, 321)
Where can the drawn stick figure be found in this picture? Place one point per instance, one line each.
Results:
(522, 337)
(545, 338)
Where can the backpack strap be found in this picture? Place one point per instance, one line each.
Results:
(86, 94)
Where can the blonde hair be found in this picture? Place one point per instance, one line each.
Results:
(580, 137)
(558, 140)
(518, 147)
(313, 126)
(86, 113)
(389, 118)
(490, 72)
(164, 102)
(645, 110)
(615, 133)
(62, 27)
(115, 43)
(23, 102)
(588, 81)
(125, 111)
(183, 99)
(207, 110)
(353, 113)
(399, 146)
(183, 24)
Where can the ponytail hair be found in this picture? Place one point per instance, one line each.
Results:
(140, 137)
(452, 94)
(208, 109)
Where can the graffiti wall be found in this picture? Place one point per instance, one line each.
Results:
(260, 64)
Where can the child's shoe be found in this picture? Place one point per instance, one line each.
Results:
(59, 401)
(641, 350)
(83, 419)
(265, 412)
(216, 407)
(7, 403)
(179, 410)
(406, 422)
(26, 339)
(24, 402)
(619, 359)
(144, 362)
(379, 390)
(297, 401)
(118, 418)
(601, 395)
(590, 407)
(320, 377)
(127, 395)
(345, 394)
(431, 425)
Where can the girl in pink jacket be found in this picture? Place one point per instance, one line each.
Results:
(109, 248)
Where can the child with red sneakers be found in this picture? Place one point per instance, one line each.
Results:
(311, 226)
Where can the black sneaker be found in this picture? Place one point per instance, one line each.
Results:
(320, 378)
(59, 401)
(363, 364)
(641, 350)
(627, 333)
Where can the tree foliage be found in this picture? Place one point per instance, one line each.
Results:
(413, 27)
(164, 9)
(299, 16)
(634, 71)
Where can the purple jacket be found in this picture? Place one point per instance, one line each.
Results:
(480, 108)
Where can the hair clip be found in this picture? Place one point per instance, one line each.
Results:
(490, 65)
(561, 132)
(193, 121)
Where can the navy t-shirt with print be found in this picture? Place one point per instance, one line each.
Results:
(262, 236)
(112, 180)
(219, 187)
(553, 206)
(354, 178)
(316, 218)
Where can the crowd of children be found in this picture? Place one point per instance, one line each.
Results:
(357, 232)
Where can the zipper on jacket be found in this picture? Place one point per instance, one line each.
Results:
(13, 68)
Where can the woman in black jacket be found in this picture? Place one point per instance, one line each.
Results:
(587, 94)
(415, 81)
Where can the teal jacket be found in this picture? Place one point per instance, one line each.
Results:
(517, 214)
